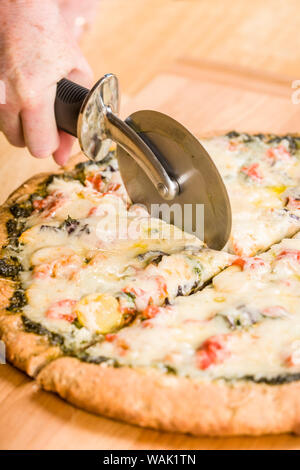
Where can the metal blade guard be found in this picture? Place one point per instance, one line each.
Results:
(162, 164)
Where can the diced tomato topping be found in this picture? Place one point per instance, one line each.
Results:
(147, 324)
(278, 153)
(275, 311)
(123, 345)
(293, 358)
(42, 271)
(151, 311)
(293, 203)
(136, 291)
(49, 205)
(290, 254)
(95, 181)
(162, 287)
(238, 250)
(39, 204)
(65, 266)
(239, 262)
(253, 172)
(110, 337)
(249, 263)
(254, 263)
(92, 211)
(62, 310)
(98, 211)
(127, 306)
(232, 145)
(193, 320)
(212, 351)
(112, 187)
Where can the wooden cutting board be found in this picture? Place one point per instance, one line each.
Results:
(205, 97)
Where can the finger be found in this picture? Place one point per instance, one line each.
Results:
(10, 125)
(82, 74)
(39, 126)
(63, 152)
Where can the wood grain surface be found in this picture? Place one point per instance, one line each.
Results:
(213, 65)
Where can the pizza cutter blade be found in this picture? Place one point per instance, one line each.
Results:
(163, 166)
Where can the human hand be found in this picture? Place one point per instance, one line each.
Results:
(36, 51)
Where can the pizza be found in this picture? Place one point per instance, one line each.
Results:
(129, 317)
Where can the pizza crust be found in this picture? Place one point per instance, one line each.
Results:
(170, 403)
(27, 351)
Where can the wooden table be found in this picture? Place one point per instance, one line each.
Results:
(212, 65)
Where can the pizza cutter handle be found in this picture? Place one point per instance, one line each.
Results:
(68, 102)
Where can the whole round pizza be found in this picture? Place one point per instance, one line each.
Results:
(126, 316)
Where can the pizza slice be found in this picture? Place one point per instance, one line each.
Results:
(224, 360)
(262, 177)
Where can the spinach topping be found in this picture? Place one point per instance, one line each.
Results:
(129, 295)
(244, 316)
(55, 339)
(84, 357)
(184, 290)
(179, 291)
(85, 229)
(79, 172)
(241, 316)
(10, 267)
(170, 369)
(82, 165)
(17, 301)
(293, 141)
(23, 209)
(244, 137)
(152, 256)
(42, 189)
(232, 134)
(108, 158)
(247, 137)
(49, 227)
(278, 380)
(77, 324)
(69, 225)
(34, 327)
(198, 269)
(14, 229)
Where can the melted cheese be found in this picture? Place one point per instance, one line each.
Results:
(268, 295)
(244, 324)
(107, 249)
(258, 201)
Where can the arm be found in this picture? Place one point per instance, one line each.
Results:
(36, 50)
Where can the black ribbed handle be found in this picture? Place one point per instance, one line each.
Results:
(68, 101)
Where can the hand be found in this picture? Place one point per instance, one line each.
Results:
(36, 51)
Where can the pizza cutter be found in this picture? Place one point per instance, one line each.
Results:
(162, 164)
